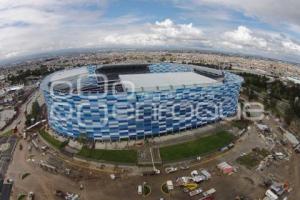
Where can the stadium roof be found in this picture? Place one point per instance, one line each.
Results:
(154, 81)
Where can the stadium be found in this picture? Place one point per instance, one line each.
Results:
(137, 101)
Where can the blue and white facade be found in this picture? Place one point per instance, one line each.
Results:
(112, 116)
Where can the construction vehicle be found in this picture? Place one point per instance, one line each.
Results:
(191, 186)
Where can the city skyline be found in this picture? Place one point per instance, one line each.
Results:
(269, 28)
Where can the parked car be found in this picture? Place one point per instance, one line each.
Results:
(169, 170)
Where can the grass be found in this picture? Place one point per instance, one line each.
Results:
(122, 156)
(253, 158)
(7, 133)
(164, 188)
(21, 196)
(197, 147)
(51, 140)
(146, 190)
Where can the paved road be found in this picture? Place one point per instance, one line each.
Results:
(20, 120)
(296, 174)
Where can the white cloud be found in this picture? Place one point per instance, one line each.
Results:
(34, 26)
(245, 40)
(244, 37)
(291, 46)
(160, 33)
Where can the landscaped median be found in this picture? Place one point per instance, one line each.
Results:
(201, 146)
(52, 140)
(121, 156)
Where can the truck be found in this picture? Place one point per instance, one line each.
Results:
(140, 189)
(170, 185)
(206, 173)
(195, 192)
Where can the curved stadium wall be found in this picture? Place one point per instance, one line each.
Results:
(135, 114)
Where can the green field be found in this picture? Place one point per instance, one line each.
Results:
(197, 147)
(122, 156)
(51, 140)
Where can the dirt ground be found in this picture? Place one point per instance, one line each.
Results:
(99, 186)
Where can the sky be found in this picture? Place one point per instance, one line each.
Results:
(268, 28)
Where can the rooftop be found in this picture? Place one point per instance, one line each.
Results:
(153, 81)
(144, 77)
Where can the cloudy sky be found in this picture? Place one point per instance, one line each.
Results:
(261, 27)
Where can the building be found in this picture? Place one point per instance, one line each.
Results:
(134, 101)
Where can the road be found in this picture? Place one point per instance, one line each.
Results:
(21, 118)
(295, 175)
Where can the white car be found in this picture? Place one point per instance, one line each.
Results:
(170, 169)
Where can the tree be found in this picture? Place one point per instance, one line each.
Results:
(273, 102)
(28, 121)
(289, 115)
(252, 95)
(267, 102)
(36, 111)
(82, 138)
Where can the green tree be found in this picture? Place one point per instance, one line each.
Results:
(266, 102)
(289, 115)
(36, 111)
(83, 138)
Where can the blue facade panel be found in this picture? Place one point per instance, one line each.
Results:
(140, 114)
